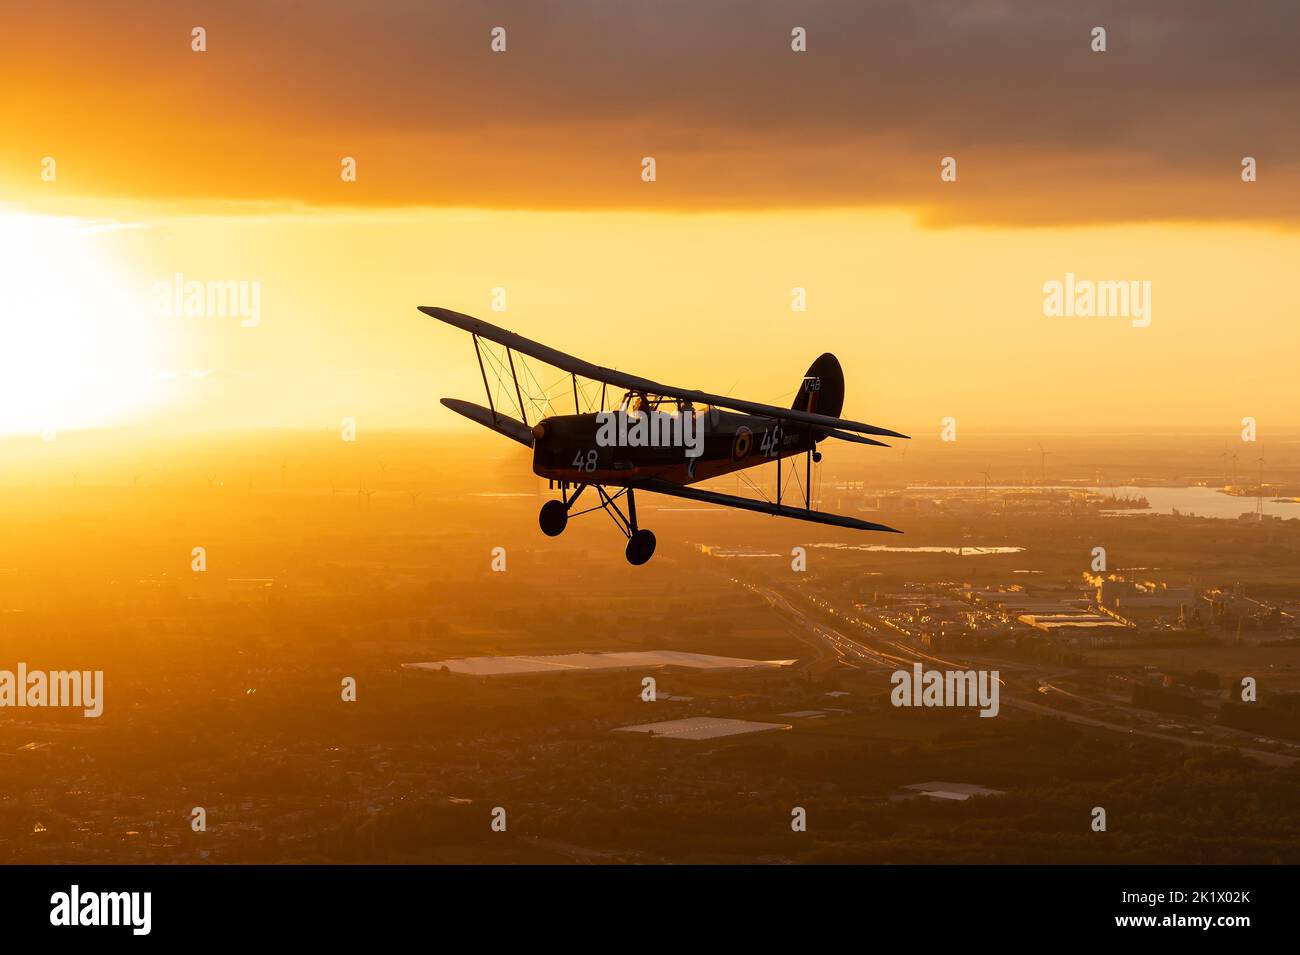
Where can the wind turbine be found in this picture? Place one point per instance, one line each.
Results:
(1259, 491)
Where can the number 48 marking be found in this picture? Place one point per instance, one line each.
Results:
(585, 464)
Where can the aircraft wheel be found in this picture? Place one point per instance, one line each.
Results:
(553, 518)
(640, 547)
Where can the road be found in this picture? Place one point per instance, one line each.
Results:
(887, 654)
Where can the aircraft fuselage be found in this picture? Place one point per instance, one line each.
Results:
(593, 449)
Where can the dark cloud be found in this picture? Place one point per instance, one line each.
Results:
(1044, 130)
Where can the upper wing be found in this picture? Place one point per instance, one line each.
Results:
(619, 379)
(660, 486)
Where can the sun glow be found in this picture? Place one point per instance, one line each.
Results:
(78, 349)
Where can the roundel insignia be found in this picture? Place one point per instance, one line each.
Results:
(742, 443)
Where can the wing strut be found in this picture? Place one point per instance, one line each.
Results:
(523, 413)
(483, 372)
(778, 465)
(807, 484)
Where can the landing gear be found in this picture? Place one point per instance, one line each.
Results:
(640, 542)
(553, 518)
(640, 547)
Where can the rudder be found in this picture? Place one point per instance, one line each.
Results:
(822, 389)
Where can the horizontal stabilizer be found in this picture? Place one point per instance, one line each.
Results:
(855, 438)
(660, 486)
(501, 424)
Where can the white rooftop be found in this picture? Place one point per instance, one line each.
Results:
(958, 792)
(702, 727)
(575, 662)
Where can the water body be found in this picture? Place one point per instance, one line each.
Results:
(1195, 501)
(970, 551)
(1198, 501)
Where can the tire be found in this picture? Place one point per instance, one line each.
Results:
(640, 547)
(554, 517)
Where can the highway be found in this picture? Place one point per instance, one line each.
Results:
(871, 650)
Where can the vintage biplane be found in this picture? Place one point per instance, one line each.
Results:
(636, 446)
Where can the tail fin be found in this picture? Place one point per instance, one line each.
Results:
(822, 391)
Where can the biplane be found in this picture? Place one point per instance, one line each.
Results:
(645, 436)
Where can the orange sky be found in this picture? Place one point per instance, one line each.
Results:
(521, 170)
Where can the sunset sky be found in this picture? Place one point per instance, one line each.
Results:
(775, 169)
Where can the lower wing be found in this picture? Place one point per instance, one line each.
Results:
(501, 424)
(660, 486)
